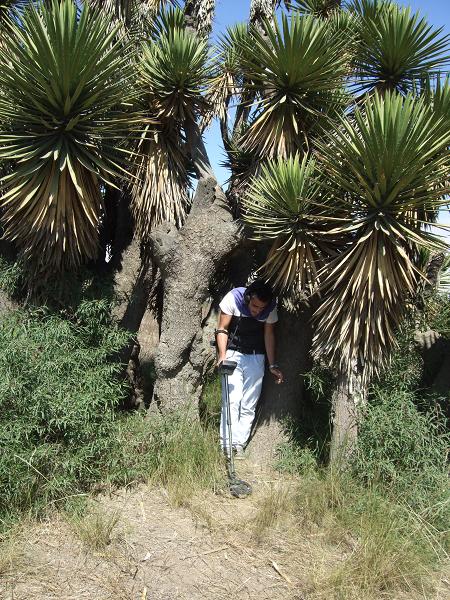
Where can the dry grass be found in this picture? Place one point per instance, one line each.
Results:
(10, 550)
(293, 538)
(96, 528)
(276, 504)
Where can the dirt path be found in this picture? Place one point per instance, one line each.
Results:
(207, 550)
(214, 548)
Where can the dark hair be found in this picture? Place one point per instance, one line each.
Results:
(260, 289)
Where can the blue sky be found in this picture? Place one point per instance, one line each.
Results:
(232, 11)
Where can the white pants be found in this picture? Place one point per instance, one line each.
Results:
(244, 387)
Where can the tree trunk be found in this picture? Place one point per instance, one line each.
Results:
(349, 396)
(135, 280)
(188, 260)
(282, 404)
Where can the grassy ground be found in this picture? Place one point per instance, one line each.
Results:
(379, 530)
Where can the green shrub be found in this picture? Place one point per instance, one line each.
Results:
(294, 459)
(11, 276)
(174, 451)
(211, 400)
(61, 430)
(58, 396)
(403, 450)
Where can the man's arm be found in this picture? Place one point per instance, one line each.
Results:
(222, 338)
(269, 342)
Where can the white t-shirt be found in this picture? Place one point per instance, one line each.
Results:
(228, 306)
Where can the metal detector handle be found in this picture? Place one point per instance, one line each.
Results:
(227, 367)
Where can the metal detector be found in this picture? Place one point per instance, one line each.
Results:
(238, 487)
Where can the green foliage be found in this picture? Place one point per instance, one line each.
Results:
(174, 68)
(404, 451)
(303, 64)
(389, 181)
(405, 368)
(63, 81)
(396, 48)
(59, 390)
(11, 276)
(286, 204)
(211, 401)
(61, 428)
(295, 459)
(318, 8)
(387, 547)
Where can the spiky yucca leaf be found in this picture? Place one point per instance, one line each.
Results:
(368, 9)
(318, 8)
(166, 21)
(172, 76)
(226, 79)
(61, 80)
(298, 67)
(174, 69)
(161, 183)
(440, 97)
(286, 205)
(240, 162)
(397, 48)
(390, 161)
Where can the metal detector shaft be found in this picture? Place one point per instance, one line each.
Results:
(238, 487)
(232, 472)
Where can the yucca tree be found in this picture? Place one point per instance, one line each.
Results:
(296, 70)
(396, 48)
(173, 71)
(384, 170)
(318, 8)
(287, 205)
(383, 176)
(62, 82)
(393, 162)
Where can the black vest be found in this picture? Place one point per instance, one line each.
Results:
(246, 335)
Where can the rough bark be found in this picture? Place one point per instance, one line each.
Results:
(280, 404)
(348, 397)
(135, 280)
(188, 260)
(260, 10)
(199, 16)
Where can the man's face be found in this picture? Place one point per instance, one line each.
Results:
(256, 306)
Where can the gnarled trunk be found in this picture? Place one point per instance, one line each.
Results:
(188, 260)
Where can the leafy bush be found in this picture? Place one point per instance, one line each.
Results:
(403, 450)
(295, 459)
(61, 431)
(11, 276)
(58, 396)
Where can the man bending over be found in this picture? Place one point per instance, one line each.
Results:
(246, 333)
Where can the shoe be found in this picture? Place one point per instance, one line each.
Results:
(239, 453)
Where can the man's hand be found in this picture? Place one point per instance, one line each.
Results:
(219, 360)
(279, 378)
